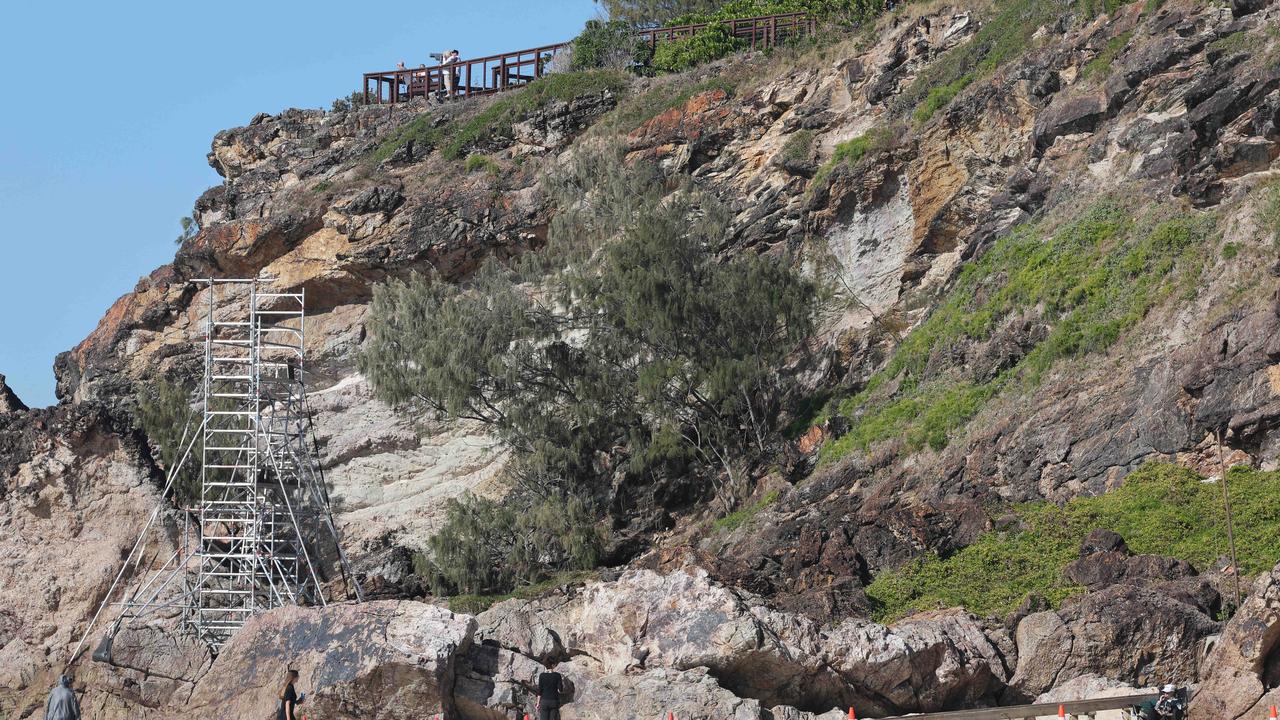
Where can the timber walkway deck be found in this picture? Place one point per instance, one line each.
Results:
(495, 73)
(1073, 709)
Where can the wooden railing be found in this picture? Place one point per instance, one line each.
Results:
(760, 32)
(495, 73)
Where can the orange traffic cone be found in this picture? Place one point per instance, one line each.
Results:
(1062, 710)
(671, 715)
(1272, 716)
(852, 715)
(526, 716)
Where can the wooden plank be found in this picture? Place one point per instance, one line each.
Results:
(1021, 712)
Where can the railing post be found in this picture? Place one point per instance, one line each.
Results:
(773, 31)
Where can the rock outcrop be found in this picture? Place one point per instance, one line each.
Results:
(1240, 676)
(1177, 101)
(685, 621)
(386, 660)
(75, 489)
(9, 401)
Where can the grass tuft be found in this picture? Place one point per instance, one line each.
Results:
(475, 604)
(738, 518)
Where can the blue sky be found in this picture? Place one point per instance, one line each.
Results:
(109, 109)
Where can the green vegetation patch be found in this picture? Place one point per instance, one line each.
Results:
(1005, 36)
(424, 131)
(713, 42)
(851, 152)
(497, 119)
(476, 604)
(1160, 509)
(1089, 280)
(739, 517)
(477, 162)
(1100, 66)
(1269, 215)
(455, 139)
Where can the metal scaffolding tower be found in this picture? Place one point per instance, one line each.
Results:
(261, 534)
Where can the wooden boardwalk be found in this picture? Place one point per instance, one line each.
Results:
(495, 73)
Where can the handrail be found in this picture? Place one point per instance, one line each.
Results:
(495, 73)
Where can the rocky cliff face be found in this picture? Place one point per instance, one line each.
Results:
(1175, 103)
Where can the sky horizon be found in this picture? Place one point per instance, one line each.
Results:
(108, 152)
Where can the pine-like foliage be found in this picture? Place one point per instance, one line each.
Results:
(169, 421)
(628, 339)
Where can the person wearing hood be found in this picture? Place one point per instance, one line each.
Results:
(62, 702)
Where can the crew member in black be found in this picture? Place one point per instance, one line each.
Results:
(289, 697)
(550, 685)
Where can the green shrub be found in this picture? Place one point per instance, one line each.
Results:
(1230, 251)
(1160, 509)
(671, 364)
(798, 147)
(487, 546)
(1100, 66)
(843, 11)
(851, 152)
(189, 230)
(711, 43)
(170, 422)
(1092, 278)
(350, 102)
(738, 518)
(477, 162)
(609, 44)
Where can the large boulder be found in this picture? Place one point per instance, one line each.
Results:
(930, 661)
(685, 694)
(684, 621)
(386, 660)
(1240, 673)
(1136, 635)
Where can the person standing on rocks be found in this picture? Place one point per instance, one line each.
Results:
(62, 702)
(289, 697)
(550, 686)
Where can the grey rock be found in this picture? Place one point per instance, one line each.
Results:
(9, 401)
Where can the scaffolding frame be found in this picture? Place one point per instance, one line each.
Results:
(262, 533)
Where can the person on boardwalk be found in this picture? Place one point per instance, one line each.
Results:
(289, 697)
(450, 59)
(550, 686)
(62, 702)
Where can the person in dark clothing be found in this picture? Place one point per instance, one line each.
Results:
(289, 697)
(550, 685)
(1166, 707)
(62, 703)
